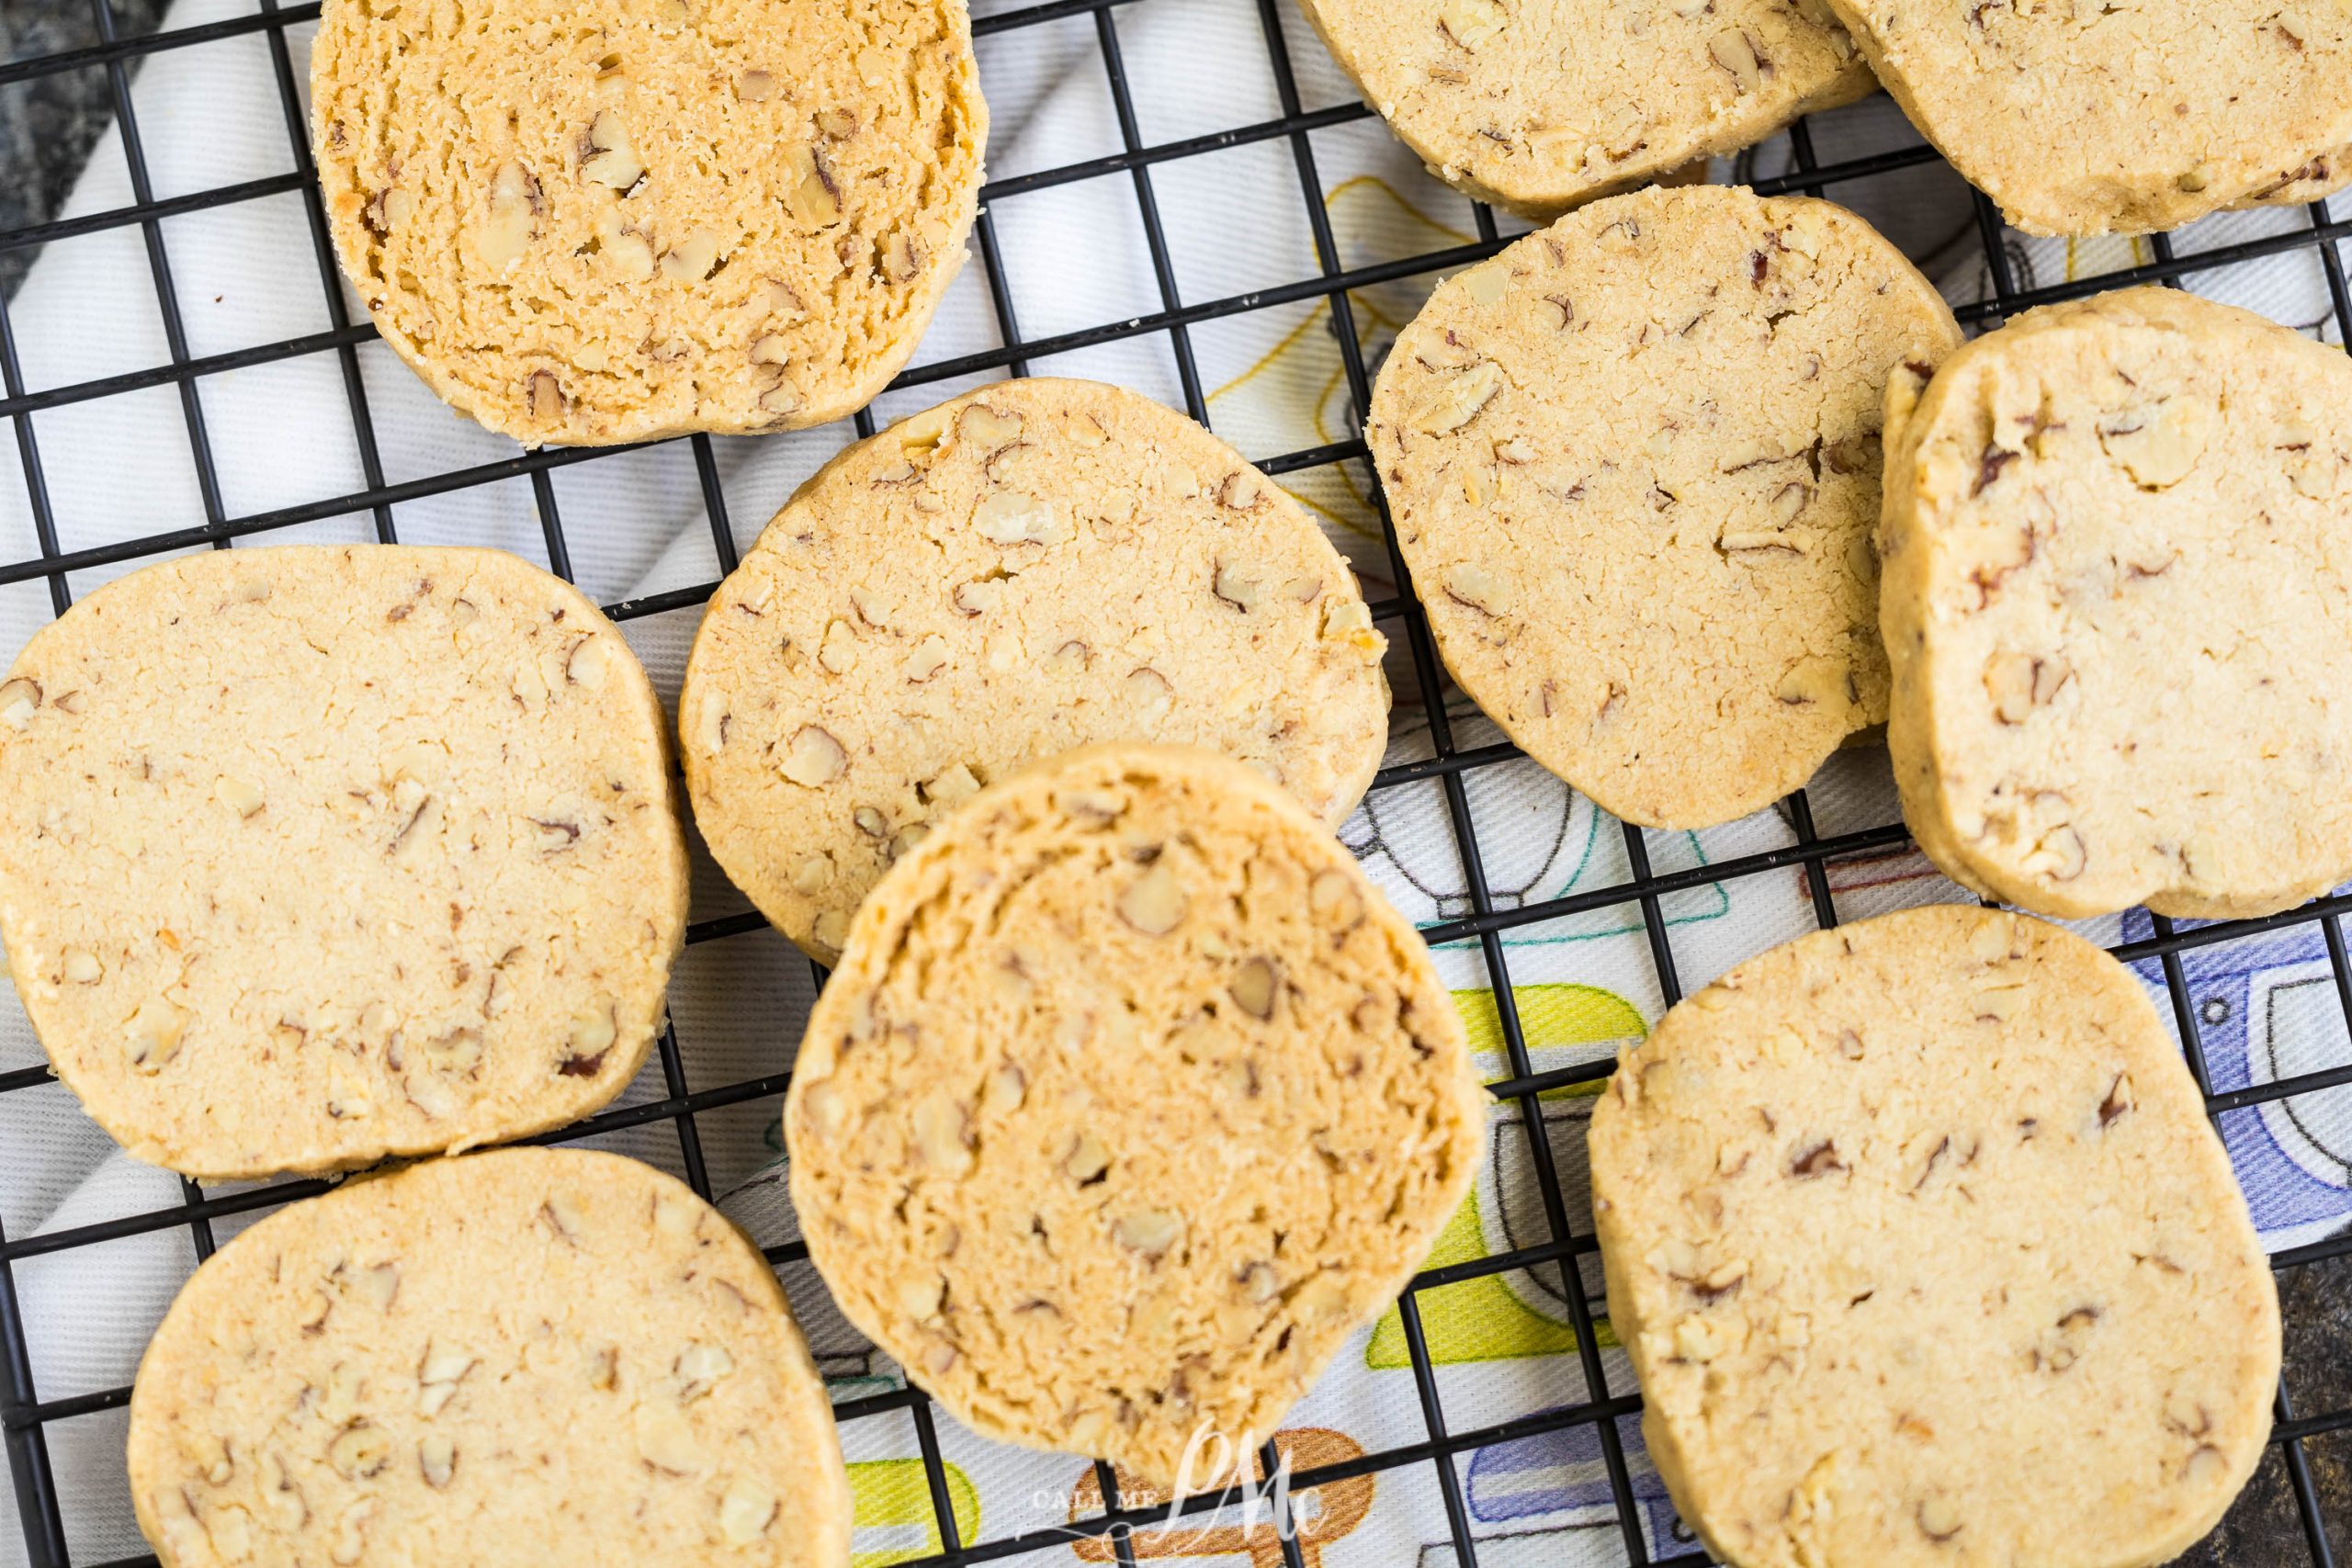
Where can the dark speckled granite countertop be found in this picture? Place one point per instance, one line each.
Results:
(47, 127)
(48, 124)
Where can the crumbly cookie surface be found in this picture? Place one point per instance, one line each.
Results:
(1130, 1099)
(1538, 105)
(2313, 179)
(1926, 1254)
(2118, 536)
(496, 1359)
(660, 216)
(1633, 462)
(1028, 567)
(2084, 118)
(320, 854)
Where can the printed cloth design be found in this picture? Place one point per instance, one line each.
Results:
(1502, 1346)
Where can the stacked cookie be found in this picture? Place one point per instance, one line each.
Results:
(911, 730)
(1018, 571)
(1540, 105)
(1033, 712)
(2078, 118)
(1634, 462)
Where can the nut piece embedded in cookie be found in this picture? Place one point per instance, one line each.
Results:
(575, 237)
(1901, 1219)
(501, 237)
(1665, 593)
(2115, 541)
(1027, 1232)
(984, 585)
(633, 1378)
(438, 776)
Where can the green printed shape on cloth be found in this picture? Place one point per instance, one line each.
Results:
(893, 1518)
(1550, 1015)
(1482, 1319)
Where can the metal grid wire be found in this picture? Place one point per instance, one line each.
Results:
(25, 1415)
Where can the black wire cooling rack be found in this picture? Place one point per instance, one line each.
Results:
(2297, 1526)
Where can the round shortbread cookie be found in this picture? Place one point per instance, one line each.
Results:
(320, 854)
(509, 1359)
(1131, 1100)
(1028, 567)
(1926, 1254)
(2083, 117)
(654, 217)
(1633, 462)
(1539, 105)
(2118, 558)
